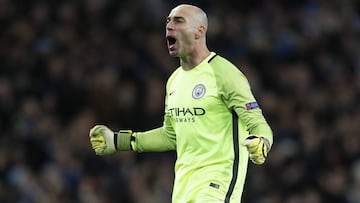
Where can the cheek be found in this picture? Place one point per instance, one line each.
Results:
(188, 37)
(191, 33)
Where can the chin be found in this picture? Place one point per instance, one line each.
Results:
(173, 54)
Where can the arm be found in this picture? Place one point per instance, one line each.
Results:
(105, 141)
(156, 140)
(236, 93)
(260, 138)
(255, 122)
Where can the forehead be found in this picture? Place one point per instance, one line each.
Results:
(183, 12)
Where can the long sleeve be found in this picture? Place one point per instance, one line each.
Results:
(236, 93)
(156, 140)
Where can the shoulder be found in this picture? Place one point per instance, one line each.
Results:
(176, 72)
(223, 68)
(217, 59)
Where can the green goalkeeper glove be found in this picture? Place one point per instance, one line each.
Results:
(105, 141)
(258, 148)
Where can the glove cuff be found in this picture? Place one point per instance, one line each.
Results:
(122, 140)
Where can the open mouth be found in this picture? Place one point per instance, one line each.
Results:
(171, 41)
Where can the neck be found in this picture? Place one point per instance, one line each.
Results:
(190, 61)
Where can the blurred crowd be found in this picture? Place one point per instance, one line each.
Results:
(68, 65)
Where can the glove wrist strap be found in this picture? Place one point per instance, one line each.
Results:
(122, 140)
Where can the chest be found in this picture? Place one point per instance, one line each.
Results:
(189, 92)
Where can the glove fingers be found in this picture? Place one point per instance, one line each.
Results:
(257, 159)
(96, 130)
(252, 144)
(100, 150)
(99, 147)
(100, 135)
(97, 139)
(257, 149)
(96, 143)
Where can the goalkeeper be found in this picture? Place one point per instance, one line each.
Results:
(211, 118)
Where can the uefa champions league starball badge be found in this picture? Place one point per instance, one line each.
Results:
(198, 91)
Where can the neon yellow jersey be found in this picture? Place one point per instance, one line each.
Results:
(209, 111)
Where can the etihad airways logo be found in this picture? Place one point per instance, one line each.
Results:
(186, 114)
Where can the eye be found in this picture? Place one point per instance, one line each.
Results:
(179, 20)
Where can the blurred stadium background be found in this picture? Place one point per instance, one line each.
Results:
(67, 65)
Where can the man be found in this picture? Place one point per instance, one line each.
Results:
(211, 119)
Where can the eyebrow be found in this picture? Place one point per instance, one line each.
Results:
(175, 18)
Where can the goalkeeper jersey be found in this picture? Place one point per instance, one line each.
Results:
(209, 111)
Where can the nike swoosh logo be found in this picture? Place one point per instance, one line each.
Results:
(171, 93)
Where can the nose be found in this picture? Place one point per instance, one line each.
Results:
(169, 26)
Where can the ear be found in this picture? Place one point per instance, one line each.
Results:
(200, 32)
